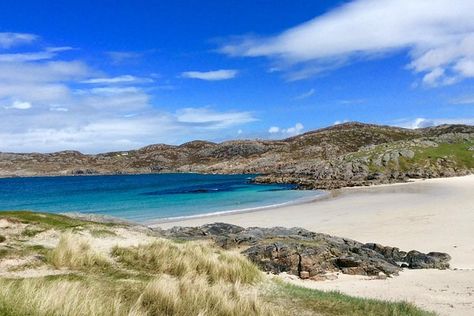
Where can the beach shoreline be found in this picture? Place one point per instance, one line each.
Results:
(427, 215)
(319, 195)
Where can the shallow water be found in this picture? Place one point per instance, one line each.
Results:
(144, 197)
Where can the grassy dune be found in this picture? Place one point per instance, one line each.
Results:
(156, 277)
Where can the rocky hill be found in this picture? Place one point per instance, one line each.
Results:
(343, 155)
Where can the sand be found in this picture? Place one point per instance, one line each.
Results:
(426, 215)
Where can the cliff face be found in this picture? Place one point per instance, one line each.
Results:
(342, 155)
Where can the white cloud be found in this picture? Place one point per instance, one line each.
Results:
(305, 95)
(48, 53)
(59, 109)
(427, 122)
(22, 57)
(66, 104)
(439, 35)
(274, 130)
(8, 39)
(110, 90)
(20, 105)
(290, 131)
(47, 71)
(119, 79)
(295, 130)
(214, 75)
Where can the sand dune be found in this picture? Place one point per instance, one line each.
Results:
(427, 215)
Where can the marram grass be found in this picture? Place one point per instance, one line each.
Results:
(169, 278)
(191, 258)
(74, 251)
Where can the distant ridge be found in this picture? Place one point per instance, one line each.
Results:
(342, 155)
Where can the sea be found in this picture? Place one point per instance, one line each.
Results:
(147, 198)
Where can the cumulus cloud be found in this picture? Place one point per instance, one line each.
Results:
(437, 34)
(214, 75)
(274, 130)
(295, 130)
(290, 131)
(8, 39)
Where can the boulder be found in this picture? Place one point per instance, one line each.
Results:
(308, 254)
(431, 260)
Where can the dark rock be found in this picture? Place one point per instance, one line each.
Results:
(431, 260)
(296, 250)
(390, 253)
(348, 262)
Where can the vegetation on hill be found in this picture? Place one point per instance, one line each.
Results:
(342, 155)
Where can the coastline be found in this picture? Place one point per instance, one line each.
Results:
(319, 195)
(424, 214)
(407, 205)
(428, 215)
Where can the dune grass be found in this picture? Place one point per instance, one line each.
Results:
(179, 259)
(75, 252)
(164, 295)
(194, 295)
(44, 297)
(169, 278)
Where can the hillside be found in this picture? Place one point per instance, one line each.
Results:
(342, 155)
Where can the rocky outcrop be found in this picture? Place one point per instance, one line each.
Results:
(349, 154)
(310, 255)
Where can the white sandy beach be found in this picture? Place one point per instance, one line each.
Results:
(429, 215)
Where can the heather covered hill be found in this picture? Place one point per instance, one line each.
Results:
(342, 155)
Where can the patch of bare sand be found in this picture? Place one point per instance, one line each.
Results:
(429, 215)
(26, 267)
(124, 237)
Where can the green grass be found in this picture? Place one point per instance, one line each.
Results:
(98, 233)
(31, 232)
(458, 152)
(337, 304)
(45, 220)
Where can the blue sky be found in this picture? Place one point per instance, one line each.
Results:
(113, 75)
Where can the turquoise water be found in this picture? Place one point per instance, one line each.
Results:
(143, 197)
